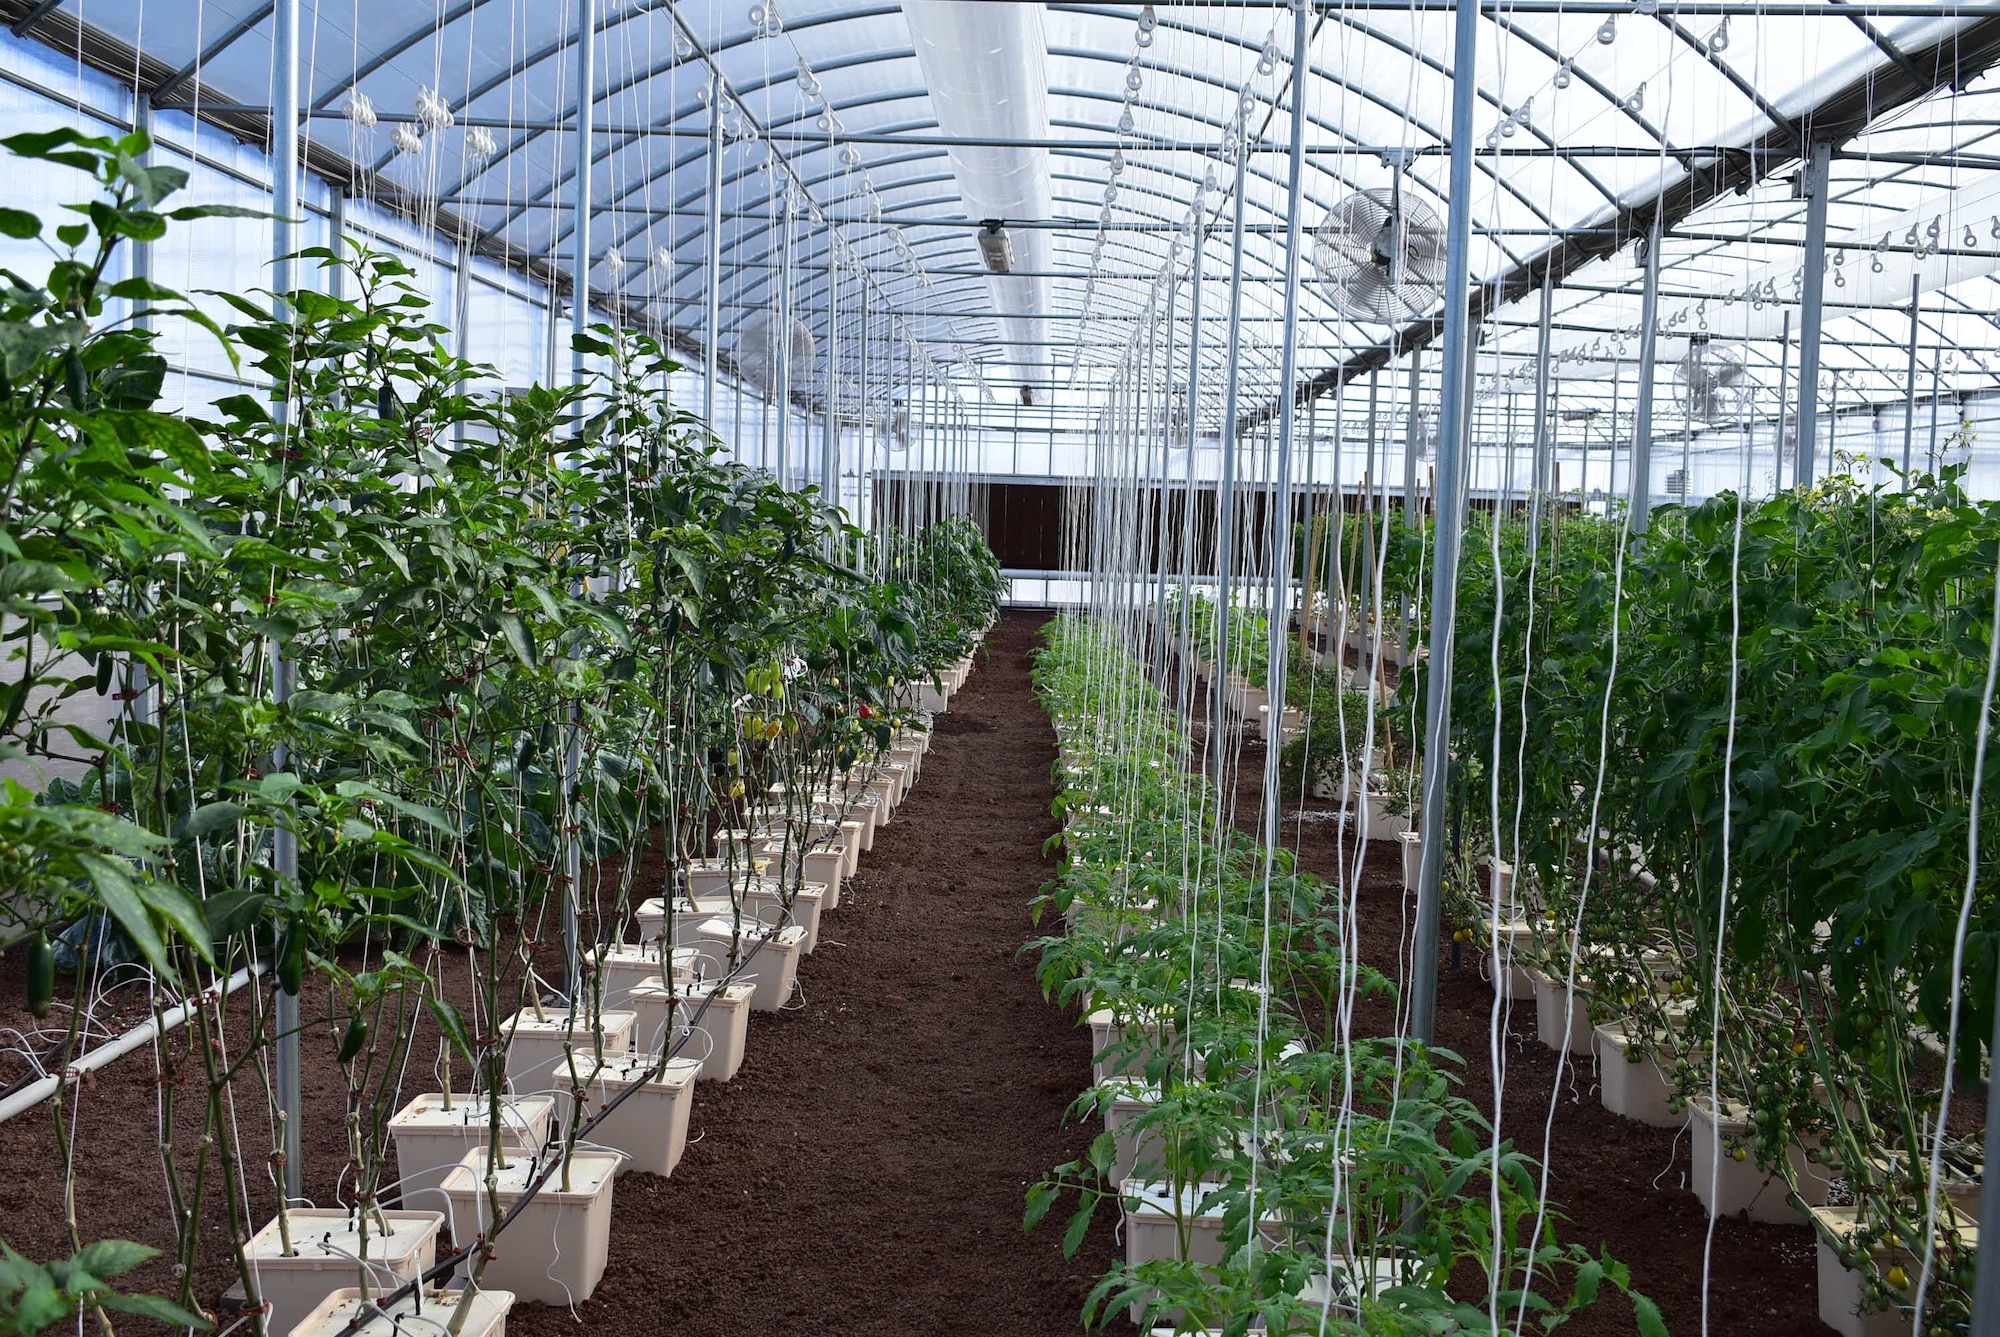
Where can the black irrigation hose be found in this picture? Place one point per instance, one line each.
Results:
(461, 1254)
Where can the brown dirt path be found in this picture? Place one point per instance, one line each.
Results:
(863, 1175)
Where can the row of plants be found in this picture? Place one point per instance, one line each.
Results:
(405, 674)
(1737, 764)
(1280, 1160)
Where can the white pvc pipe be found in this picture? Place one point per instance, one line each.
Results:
(43, 1087)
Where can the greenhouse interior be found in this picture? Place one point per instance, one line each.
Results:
(1438, 560)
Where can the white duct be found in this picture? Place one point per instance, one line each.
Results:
(985, 64)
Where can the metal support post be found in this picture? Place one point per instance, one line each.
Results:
(829, 456)
(1544, 434)
(1278, 623)
(1641, 496)
(784, 387)
(336, 234)
(285, 850)
(1225, 499)
(1444, 561)
(586, 85)
(712, 250)
(461, 316)
(1812, 303)
(1910, 378)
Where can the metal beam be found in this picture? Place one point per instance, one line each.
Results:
(1641, 499)
(1812, 304)
(1444, 560)
(285, 850)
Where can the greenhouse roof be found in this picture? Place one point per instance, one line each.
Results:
(1096, 132)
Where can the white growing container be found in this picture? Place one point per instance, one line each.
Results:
(1728, 1186)
(1378, 822)
(712, 877)
(773, 968)
(1291, 725)
(430, 1139)
(717, 1041)
(652, 916)
(864, 810)
(1510, 978)
(624, 966)
(1843, 1293)
(1411, 844)
(849, 844)
(1637, 1090)
(766, 904)
(900, 775)
(824, 867)
(538, 1048)
(1107, 1031)
(1554, 1000)
(1133, 1146)
(772, 831)
(434, 1313)
(879, 790)
(554, 1252)
(1151, 1233)
(325, 1244)
(650, 1126)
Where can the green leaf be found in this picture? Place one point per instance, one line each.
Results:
(231, 912)
(181, 911)
(1041, 1196)
(1648, 1315)
(156, 1307)
(193, 211)
(40, 1306)
(49, 146)
(1588, 1277)
(19, 223)
(112, 881)
(452, 1023)
(113, 1258)
(211, 817)
(1079, 1226)
(519, 639)
(141, 290)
